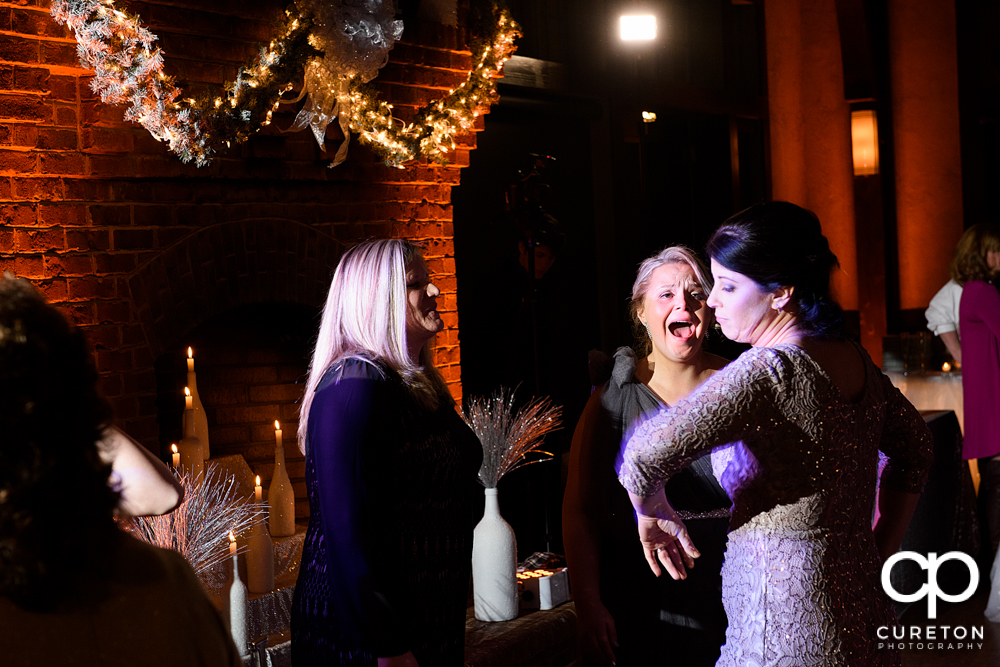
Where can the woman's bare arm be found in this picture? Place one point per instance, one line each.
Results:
(147, 485)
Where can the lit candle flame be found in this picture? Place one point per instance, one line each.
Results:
(258, 480)
(946, 367)
(232, 538)
(277, 426)
(190, 353)
(173, 448)
(187, 392)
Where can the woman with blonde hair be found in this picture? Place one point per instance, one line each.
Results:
(625, 615)
(390, 472)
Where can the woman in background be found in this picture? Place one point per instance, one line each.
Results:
(625, 615)
(74, 589)
(976, 268)
(391, 476)
(796, 424)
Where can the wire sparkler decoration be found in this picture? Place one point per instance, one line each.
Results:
(510, 441)
(198, 529)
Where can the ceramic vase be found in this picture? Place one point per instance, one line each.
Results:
(236, 609)
(192, 453)
(281, 498)
(200, 418)
(494, 565)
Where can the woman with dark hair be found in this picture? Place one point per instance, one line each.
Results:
(83, 592)
(624, 615)
(795, 426)
(391, 476)
(977, 264)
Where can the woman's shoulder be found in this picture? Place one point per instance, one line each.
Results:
(353, 368)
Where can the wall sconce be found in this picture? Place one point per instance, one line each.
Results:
(638, 28)
(648, 117)
(864, 141)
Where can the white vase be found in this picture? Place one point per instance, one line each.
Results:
(235, 611)
(200, 418)
(494, 565)
(281, 498)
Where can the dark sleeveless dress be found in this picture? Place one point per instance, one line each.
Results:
(387, 558)
(660, 621)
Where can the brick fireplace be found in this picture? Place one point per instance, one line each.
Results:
(149, 255)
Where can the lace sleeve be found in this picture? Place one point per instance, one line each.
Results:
(720, 411)
(907, 441)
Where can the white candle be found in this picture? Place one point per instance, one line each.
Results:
(258, 492)
(190, 360)
(277, 433)
(188, 400)
(232, 544)
(176, 456)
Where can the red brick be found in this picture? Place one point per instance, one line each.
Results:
(108, 140)
(276, 393)
(113, 312)
(65, 116)
(59, 53)
(15, 215)
(106, 263)
(114, 360)
(107, 336)
(63, 88)
(133, 334)
(56, 139)
(39, 240)
(153, 215)
(110, 385)
(69, 215)
(134, 239)
(24, 266)
(80, 314)
(6, 240)
(224, 395)
(37, 188)
(25, 136)
(15, 48)
(23, 107)
(114, 215)
(19, 162)
(247, 415)
(226, 435)
(68, 265)
(54, 290)
(87, 240)
(244, 375)
(63, 163)
(91, 288)
(110, 166)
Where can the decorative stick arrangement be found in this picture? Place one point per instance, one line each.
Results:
(198, 528)
(510, 441)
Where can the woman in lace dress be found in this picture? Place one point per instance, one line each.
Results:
(391, 476)
(624, 614)
(795, 426)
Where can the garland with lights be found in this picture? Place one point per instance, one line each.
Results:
(128, 71)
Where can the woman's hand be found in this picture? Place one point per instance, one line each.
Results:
(663, 536)
(405, 660)
(596, 632)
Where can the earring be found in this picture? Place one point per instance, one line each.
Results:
(648, 333)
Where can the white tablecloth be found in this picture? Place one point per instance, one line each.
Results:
(932, 391)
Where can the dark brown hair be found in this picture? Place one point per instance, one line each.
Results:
(969, 262)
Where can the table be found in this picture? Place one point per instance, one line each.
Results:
(932, 391)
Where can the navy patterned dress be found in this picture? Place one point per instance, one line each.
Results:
(387, 558)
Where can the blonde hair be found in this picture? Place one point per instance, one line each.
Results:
(969, 262)
(365, 318)
(676, 254)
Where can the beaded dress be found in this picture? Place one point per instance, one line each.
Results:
(801, 583)
(387, 559)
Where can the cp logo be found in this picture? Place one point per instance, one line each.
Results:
(930, 589)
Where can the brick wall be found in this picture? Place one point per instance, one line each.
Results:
(139, 249)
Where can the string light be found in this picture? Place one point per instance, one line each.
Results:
(129, 71)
